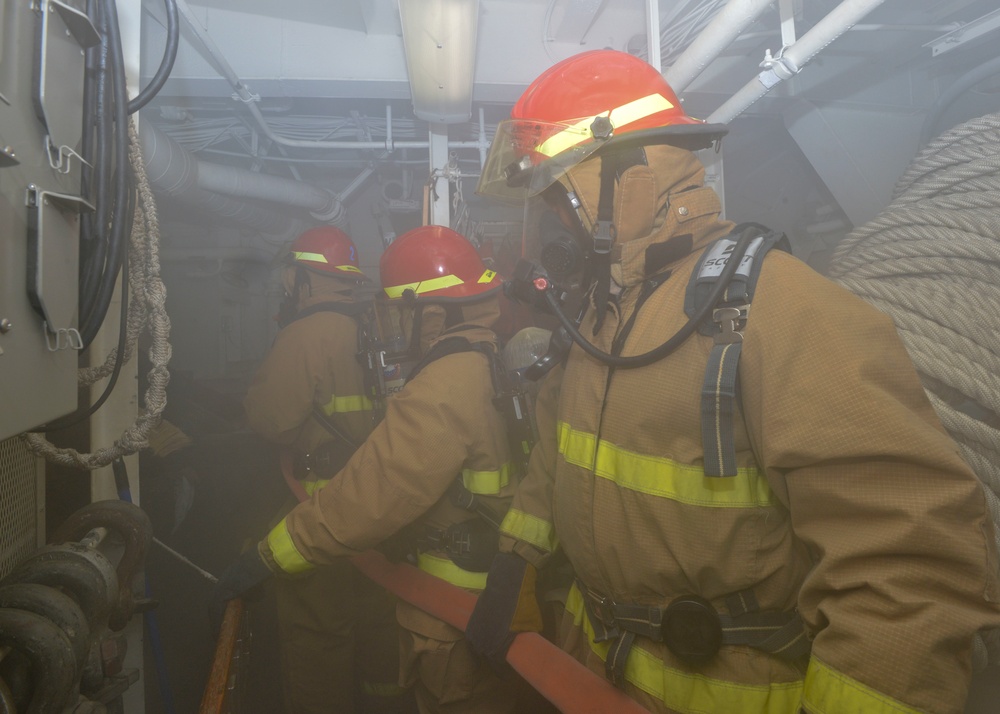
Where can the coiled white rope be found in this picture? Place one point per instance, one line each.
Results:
(146, 311)
(931, 261)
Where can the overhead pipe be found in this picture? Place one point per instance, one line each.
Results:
(790, 60)
(724, 28)
(206, 45)
(175, 170)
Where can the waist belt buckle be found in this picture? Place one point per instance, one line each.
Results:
(691, 629)
(603, 608)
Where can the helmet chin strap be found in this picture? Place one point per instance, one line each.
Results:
(603, 239)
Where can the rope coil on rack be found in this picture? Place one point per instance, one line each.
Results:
(931, 261)
(147, 311)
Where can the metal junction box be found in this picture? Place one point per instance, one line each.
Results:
(42, 45)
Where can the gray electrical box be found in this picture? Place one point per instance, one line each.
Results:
(42, 45)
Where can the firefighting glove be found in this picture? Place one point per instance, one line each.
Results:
(507, 606)
(243, 576)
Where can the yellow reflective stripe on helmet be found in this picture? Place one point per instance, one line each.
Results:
(424, 286)
(486, 483)
(311, 487)
(530, 529)
(345, 405)
(828, 690)
(658, 476)
(314, 257)
(690, 693)
(348, 268)
(487, 276)
(450, 573)
(619, 116)
(286, 555)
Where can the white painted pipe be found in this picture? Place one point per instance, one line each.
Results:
(207, 47)
(841, 19)
(724, 28)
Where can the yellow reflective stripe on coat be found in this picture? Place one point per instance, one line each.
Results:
(311, 487)
(486, 483)
(619, 116)
(833, 692)
(346, 405)
(286, 555)
(424, 286)
(658, 476)
(530, 529)
(314, 257)
(450, 573)
(689, 693)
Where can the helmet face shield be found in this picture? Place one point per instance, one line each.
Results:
(528, 156)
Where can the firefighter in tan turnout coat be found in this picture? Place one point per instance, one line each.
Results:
(822, 548)
(440, 432)
(337, 632)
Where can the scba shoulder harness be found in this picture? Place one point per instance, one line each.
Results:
(719, 392)
(472, 544)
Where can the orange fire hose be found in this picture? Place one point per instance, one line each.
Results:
(562, 680)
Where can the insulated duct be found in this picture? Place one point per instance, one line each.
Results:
(173, 169)
(790, 60)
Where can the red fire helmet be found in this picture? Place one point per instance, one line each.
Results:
(588, 102)
(436, 264)
(327, 249)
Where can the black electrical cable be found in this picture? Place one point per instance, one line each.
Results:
(91, 63)
(166, 63)
(688, 329)
(91, 320)
(94, 251)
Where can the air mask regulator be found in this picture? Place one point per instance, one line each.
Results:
(532, 285)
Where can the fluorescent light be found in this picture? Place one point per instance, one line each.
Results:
(439, 38)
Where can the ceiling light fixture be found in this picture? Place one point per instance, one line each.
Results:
(439, 39)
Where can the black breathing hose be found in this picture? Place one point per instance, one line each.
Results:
(688, 329)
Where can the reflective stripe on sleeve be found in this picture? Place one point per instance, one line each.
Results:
(658, 476)
(286, 555)
(450, 573)
(486, 483)
(691, 693)
(311, 487)
(530, 529)
(346, 405)
(424, 286)
(833, 692)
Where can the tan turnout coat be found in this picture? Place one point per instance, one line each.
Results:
(851, 505)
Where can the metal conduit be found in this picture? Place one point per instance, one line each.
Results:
(790, 62)
(725, 27)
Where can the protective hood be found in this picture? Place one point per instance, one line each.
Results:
(663, 202)
(435, 324)
(320, 288)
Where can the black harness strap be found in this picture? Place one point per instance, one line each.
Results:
(782, 634)
(719, 393)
